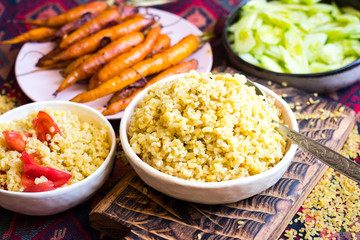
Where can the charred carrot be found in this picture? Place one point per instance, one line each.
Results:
(56, 50)
(74, 64)
(69, 15)
(127, 91)
(163, 42)
(96, 60)
(111, 15)
(177, 69)
(40, 34)
(149, 66)
(141, 84)
(93, 42)
(57, 65)
(125, 60)
(121, 104)
(73, 25)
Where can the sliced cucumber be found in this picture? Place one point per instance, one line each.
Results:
(270, 63)
(331, 54)
(297, 36)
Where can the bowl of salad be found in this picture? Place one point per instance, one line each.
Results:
(309, 44)
(54, 155)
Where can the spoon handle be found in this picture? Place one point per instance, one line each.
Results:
(330, 157)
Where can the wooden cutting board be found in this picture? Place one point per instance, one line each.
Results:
(133, 210)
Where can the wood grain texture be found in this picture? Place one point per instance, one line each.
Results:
(133, 210)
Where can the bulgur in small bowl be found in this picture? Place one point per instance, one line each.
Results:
(207, 138)
(54, 155)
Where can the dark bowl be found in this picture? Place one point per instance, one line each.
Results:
(323, 82)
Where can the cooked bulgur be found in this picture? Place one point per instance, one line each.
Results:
(6, 103)
(205, 127)
(80, 150)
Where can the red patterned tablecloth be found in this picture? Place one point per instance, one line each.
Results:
(74, 223)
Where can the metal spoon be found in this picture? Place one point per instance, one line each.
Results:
(328, 156)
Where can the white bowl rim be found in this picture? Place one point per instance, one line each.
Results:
(176, 180)
(72, 187)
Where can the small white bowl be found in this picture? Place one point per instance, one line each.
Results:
(61, 199)
(208, 192)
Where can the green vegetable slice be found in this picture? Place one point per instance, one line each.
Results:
(296, 36)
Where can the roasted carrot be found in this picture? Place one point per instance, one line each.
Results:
(56, 50)
(163, 42)
(111, 15)
(40, 34)
(118, 105)
(128, 90)
(182, 67)
(93, 42)
(149, 66)
(74, 64)
(96, 60)
(73, 25)
(142, 83)
(57, 65)
(69, 15)
(125, 60)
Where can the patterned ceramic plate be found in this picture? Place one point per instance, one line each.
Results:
(40, 86)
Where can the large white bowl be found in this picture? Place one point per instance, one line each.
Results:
(208, 192)
(61, 199)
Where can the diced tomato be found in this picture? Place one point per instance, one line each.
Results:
(43, 125)
(16, 140)
(30, 158)
(41, 187)
(26, 181)
(32, 171)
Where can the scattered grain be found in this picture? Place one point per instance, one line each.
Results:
(351, 146)
(333, 204)
(6, 103)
